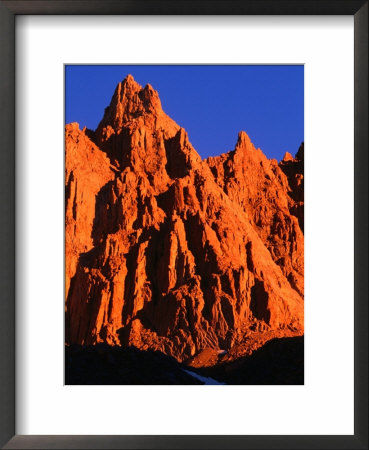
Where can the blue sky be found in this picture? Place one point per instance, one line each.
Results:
(213, 103)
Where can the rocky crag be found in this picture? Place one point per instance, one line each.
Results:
(166, 251)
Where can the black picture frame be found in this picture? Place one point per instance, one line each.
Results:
(8, 12)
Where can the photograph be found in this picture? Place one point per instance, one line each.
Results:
(184, 224)
(169, 278)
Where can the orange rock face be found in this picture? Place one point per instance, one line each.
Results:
(294, 170)
(87, 170)
(170, 252)
(264, 192)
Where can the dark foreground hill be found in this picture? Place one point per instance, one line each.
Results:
(280, 361)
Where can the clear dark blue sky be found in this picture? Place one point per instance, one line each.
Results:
(213, 103)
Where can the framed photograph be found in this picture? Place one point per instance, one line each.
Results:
(184, 224)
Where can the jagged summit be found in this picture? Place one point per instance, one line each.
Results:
(130, 80)
(129, 101)
(244, 141)
(132, 121)
(287, 157)
(130, 86)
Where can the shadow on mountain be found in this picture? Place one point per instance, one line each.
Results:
(106, 365)
(278, 362)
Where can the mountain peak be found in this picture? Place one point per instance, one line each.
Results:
(128, 86)
(129, 79)
(150, 98)
(129, 102)
(287, 157)
(244, 141)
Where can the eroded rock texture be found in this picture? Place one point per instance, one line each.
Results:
(170, 252)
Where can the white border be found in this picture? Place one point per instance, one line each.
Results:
(325, 404)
